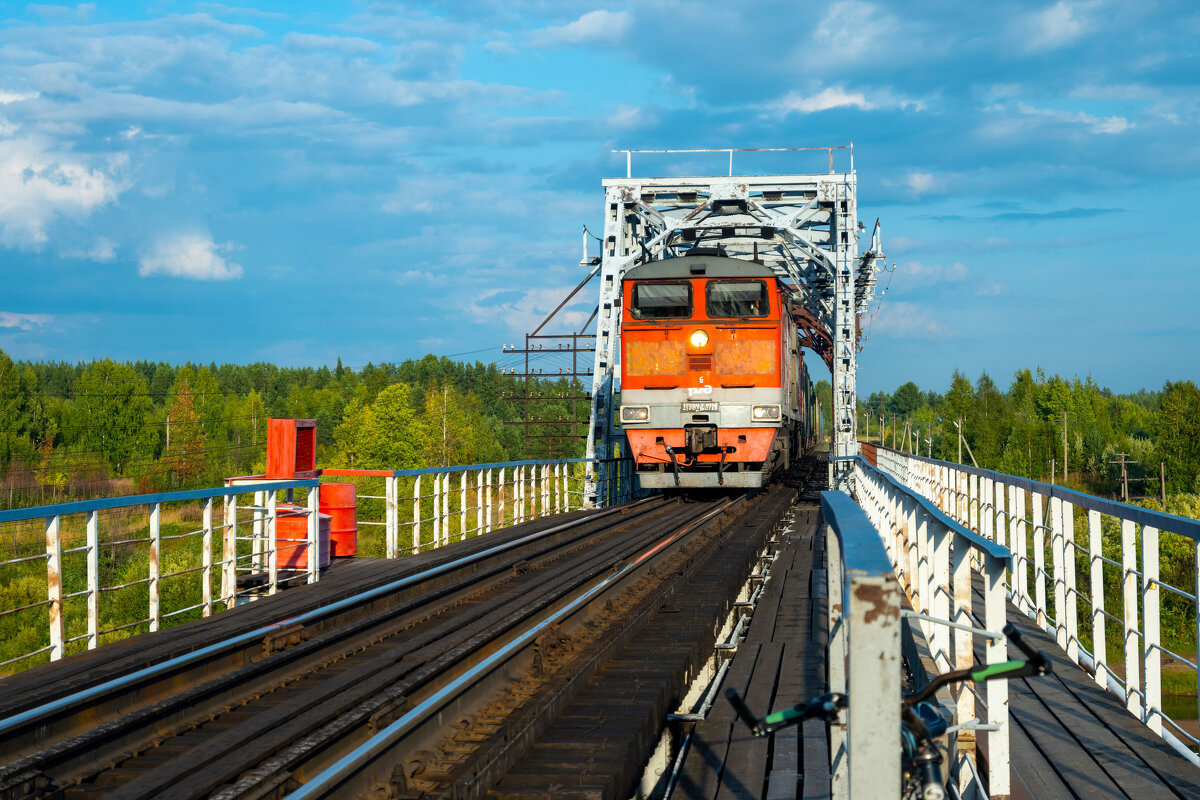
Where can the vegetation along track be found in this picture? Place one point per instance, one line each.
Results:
(417, 694)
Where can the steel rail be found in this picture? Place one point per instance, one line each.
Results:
(91, 694)
(330, 779)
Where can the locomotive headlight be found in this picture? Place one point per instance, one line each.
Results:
(699, 338)
(765, 413)
(635, 413)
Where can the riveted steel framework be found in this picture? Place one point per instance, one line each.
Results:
(804, 227)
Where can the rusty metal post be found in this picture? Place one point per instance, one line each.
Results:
(501, 512)
(437, 510)
(229, 552)
(155, 552)
(54, 589)
(93, 579)
(1017, 540)
(206, 560)
(964, 653)
(478, 502)
(839, 768)
(488, 493)
(1070, 588)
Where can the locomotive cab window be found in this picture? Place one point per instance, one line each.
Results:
(662, 300)
(737, 299)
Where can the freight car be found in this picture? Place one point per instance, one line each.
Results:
(714, 390)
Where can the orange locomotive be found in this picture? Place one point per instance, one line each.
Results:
(714, 392)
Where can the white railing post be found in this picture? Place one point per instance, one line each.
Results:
(258, 546)
(1096, 570)
(155, 551)
(462, 505)
(416, 530)
(1152, 635)
(314, 534)
(272, 542)
(501, 514)
(987, 510)
(478, 502)
(391, 516)
(446, 491)
(1039, 559)
(1129, 586)
(940, 596)
(437, 510)
(1058, 551)
(54, 588)
(93, 579)
(964, 653)
(229, 552)
(206, 560)
(488, 491)
(994, 614)
(1070, 589)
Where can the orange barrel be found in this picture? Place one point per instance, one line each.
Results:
(291, 533)
(339, 501)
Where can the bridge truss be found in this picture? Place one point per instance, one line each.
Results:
(804, 227)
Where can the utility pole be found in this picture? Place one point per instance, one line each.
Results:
(1053, 471)
(1162, 482)
(894, 431)
(882, 432)
(1124, 475)
(959, 426)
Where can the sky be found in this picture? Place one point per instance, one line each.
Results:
(301, 182)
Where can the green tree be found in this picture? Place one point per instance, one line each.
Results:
(185, 452)
(113, 410)
(1177, 434)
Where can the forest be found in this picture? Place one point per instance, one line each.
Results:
(73, 431)
(1050, 428)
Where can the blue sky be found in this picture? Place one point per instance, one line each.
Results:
(196, 181)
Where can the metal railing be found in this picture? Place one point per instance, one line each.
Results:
(864, 653)
(936, 559)
(1058, 538)
(112, 567)
(86, 551)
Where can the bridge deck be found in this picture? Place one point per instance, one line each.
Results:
(780, 662)
(1072, 739)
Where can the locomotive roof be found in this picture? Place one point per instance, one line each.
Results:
(699, 267)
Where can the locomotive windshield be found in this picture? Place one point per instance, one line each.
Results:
(737, 299)
(662, 300)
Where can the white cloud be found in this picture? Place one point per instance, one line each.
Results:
(917, 273)
(850, 29)
(1093, 123)
(604, 27)
(839, 97)
(499, 47)
(827, 98)
(24, 322)
(103, 251)
(350, 45)
(190, 255)
(38, 185)
(907, 321)
(7, 97)
(1056, 26)
(627, 116)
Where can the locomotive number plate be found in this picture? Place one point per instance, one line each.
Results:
(699, 407)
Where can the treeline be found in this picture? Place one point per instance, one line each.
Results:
(1020, 430)
(69, 431)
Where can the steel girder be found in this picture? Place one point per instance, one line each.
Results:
(803, 227)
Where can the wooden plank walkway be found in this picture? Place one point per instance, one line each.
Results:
(781, 662)
(1072, 739)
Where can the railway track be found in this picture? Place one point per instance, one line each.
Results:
(438, 683)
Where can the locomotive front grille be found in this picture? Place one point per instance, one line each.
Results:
(701, 363)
